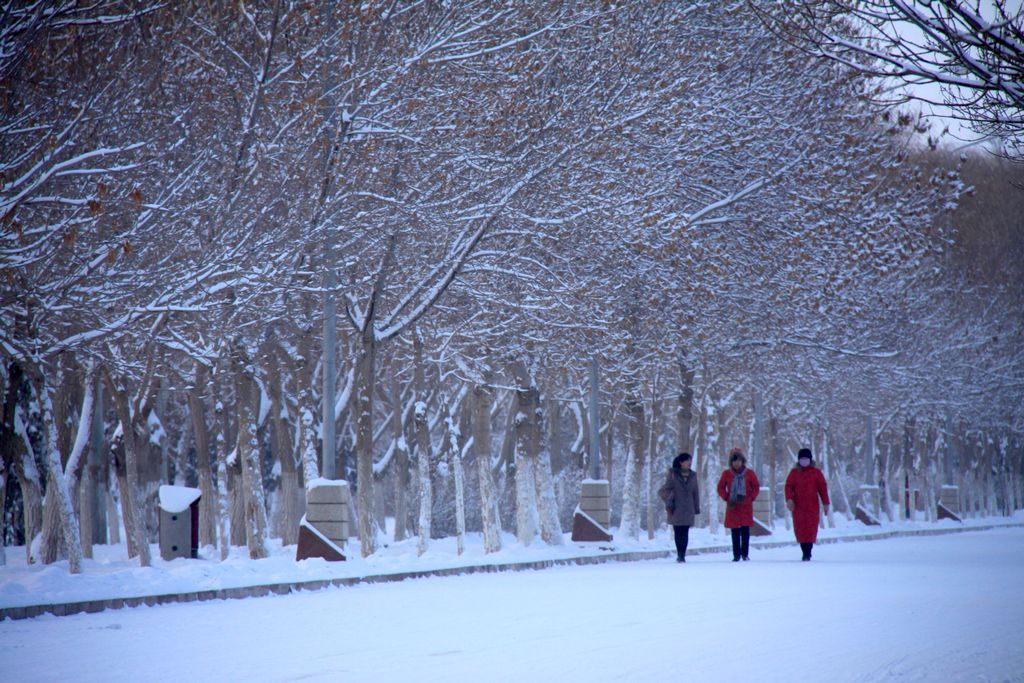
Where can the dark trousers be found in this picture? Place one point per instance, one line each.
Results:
(806, 548)
(682, 534)
(741, 542)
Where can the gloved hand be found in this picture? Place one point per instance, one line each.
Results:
(790, 504)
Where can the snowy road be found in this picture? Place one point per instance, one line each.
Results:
(941, 608)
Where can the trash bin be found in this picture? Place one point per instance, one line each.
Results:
(179, 522)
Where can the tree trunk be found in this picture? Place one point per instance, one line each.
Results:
(525, 406)
(247, 453)
(684, 410)
(3, 507)
(909, 437)
(550, 526)
(204, 470)
(52, 545)
(18, 455)
(554, 431)
(365, 382)
(629, 527)
(711, 462)
(99, 456)
(773, 469)
(288, 515)
(423, 448)
(454, 452)
(829, 473)
(85, 512)
(229, 478)
(401, 462)
(61, 479)
(483, 396)
(653, 503)
(127, 470)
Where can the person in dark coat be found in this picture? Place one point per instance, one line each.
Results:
(805, 485)
(739, 487)
(681, 496)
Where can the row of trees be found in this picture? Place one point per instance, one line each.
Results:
(235, 234)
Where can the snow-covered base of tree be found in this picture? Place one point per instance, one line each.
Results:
(931, 608)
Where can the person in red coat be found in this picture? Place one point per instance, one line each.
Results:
(739, 487)
(805, 485)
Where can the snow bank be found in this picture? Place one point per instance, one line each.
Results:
(110, 574)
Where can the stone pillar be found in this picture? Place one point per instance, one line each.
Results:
(593, 514)
(325, 526)
(762, 513)
(949, 503)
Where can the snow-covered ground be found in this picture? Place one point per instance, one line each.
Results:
(112, 575)
(922, 608)
(930, 608)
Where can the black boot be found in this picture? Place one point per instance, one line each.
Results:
(806, 549)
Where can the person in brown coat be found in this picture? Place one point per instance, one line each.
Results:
(681, 495)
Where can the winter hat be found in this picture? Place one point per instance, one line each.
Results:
(679, 459)
(737, 454)
(805, 453)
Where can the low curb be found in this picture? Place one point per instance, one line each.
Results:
(93, 606)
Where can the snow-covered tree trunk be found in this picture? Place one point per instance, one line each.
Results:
(248, 453)
(51, 543)
(556, 447)
(307, 435)
(365, 386)
(286, 522)
(909, 475)
(96, 466)
(529, 517)
(454, 452)
(112, 500)
(18, 452)
(204, 470)
(227, 440)
(826, 458)
(550, 526)
(56, 476)
(401, 462)
(629, 527)
(650, 481)
(711, 463)
(223, 509)
(483, 396)
(423, 448)
(127, 471)
(423, 472)
(991, 507)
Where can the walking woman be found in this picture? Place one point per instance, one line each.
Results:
(739, 488)
(805, 485)
(681, 496)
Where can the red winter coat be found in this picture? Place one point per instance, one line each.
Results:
(740, 514)
(804, 486)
